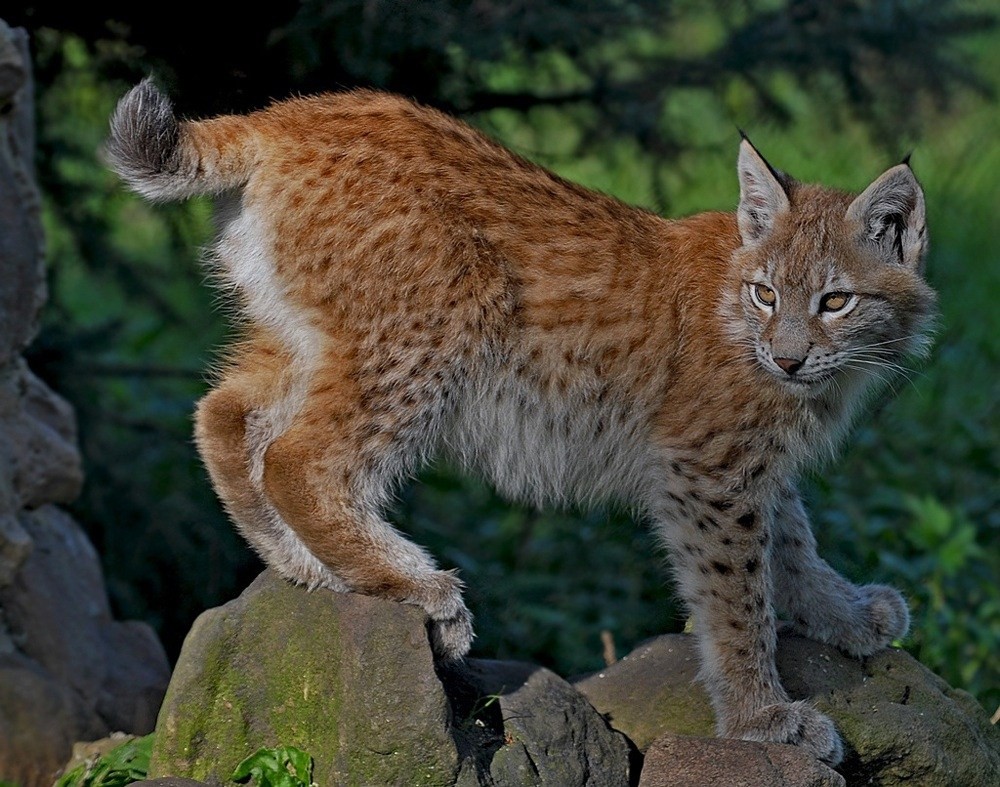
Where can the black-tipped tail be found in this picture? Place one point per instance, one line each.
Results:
(144, 144)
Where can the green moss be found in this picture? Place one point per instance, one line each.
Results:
(283, 667)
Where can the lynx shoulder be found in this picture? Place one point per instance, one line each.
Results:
(412, 289)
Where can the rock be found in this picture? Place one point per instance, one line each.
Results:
(652, 690)
(347, 678)
(71, 672)
(680, 761)
(901, 723)
(40, 428)
(39, 721)
(58, 613)
(532, 727)
(351, 680)
(22, 286)
(86, 752)
(68, 671)
(15, 546)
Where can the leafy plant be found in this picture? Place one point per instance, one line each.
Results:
(283, 766)
(122, 765)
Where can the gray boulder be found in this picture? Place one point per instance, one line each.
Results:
(351, 680)
(903, 724)
(347, 678)
(523, 724)
(680, 761)
(900, 722)
(652, 690)
(68, 671)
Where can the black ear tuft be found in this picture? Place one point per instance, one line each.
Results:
(783, 178)
(906, 159)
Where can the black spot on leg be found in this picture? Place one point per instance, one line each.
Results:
(727, 542)
(747, 521)
(676, 498)
(722, 568)
(736, 625)
(752, 565)
(720, 505)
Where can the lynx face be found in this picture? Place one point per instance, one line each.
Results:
(829, 287)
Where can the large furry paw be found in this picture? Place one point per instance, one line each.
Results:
(797, 723)
(875, 617)
(451, 622)
(452, 638)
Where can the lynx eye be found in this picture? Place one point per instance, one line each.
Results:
(835, 301)
(763, 295)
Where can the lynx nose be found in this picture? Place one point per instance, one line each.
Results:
(789, 365)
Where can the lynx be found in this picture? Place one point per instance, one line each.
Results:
(411, 289)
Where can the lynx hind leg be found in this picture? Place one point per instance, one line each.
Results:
(857, 619)
(223, 424)
(329, 476)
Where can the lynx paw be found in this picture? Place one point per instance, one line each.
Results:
(797, 723)
(451, 622)
(876, 616)
(452, 638)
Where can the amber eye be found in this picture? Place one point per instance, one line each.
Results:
(764, 295)
(834, 301)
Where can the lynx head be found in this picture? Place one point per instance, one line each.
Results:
(828, 285)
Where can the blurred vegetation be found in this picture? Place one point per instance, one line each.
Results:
(639, 99)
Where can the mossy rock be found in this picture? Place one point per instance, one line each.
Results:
(901, 724)
(346, 678)
(653, 690)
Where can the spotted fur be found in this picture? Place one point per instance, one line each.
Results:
(412, 289)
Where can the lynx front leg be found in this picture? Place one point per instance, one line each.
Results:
(824, 606)
(724, 575)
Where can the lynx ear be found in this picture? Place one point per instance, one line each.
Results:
(890, 215)
(763, 194)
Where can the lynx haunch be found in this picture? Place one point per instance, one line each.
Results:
(412, 289)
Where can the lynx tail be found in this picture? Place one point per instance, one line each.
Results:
(164, 159)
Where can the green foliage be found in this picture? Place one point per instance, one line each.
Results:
(542, 585)
(122, 765)
(284, 766)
